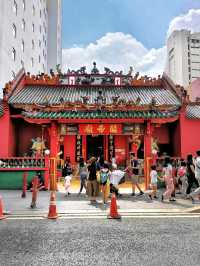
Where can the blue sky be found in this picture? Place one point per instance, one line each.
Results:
(85, 21)
(122, 33)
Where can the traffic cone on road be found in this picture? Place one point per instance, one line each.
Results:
(52, 207)
(113, 208)
(1, 210)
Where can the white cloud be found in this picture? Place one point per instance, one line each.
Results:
(189, 21)
(118, 51)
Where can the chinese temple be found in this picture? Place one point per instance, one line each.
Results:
(108, 114)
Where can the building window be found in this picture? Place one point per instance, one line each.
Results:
(39, 59)
(13, 54)
(33, 10)
(33, 44)
(23, 25)
(32, 61)
(33, 27)
(24, 5)
(13, 75)
(14, 31)
(39, 43)
(15, 7)
(22, 46)
(40, 29)
(40, 13)
(22, 63)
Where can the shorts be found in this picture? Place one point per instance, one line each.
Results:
(92, 188)
(135, 179)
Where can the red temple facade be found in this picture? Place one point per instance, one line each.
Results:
(92, 114)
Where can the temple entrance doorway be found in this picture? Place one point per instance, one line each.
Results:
(95, 146)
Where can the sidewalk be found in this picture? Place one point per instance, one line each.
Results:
(13, 202)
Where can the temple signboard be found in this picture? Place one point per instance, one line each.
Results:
(100, 129)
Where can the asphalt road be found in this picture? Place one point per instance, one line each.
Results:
(134, 241)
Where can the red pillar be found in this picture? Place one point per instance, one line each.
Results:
(53, 154)
(46, 172)
(106, 147)
(147, 152)
(84, 147)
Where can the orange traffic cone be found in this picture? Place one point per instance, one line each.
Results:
(52, 207)
(1, 210)
(113, 208)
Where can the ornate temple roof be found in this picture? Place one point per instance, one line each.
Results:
(193, 111)
(56, 95)
(100, 114)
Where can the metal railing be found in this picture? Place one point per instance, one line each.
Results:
(21, 162)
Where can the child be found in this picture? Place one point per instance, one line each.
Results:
(169, 182)
(153, 182)
(182, 178)
(67, 184)
(104, 180)
(115, 178)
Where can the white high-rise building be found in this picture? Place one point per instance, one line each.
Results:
(30, 36)
(183, 57)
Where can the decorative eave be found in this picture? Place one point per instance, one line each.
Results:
(98, 114)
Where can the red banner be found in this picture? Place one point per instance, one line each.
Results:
(100, 129)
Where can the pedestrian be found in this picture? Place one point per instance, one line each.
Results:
(116, 178)
(104, 182)
(190, 175)
(83, 172)
(153, 182)
(92, 185)
(133, 172)
(68, 179)
(67, 173)
(169, 183)
(182, 178)
(194, 175)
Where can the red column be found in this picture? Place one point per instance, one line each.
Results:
(53, 140)
(84, 147)
(147, 152)
(106, 147)
(46, 172)
(53, 154)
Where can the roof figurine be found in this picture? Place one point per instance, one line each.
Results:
(94, 70)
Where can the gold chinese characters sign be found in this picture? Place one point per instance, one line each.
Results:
(100, 129)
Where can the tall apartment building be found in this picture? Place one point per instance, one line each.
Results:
(30, 36)
(183, 57)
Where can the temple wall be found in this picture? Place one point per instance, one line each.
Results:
(70, 147)
(25, 133)
(190, 136)
(162, 134)
(120, 149)
(4, 139)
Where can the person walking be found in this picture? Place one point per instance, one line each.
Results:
(153, 182)
(135, 175)
(92, 185)
(193, 167)
(104, 182)
(83, 172)
(182, 178)
(67, 173)
(167, 175)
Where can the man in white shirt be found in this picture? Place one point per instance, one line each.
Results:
(197, 176)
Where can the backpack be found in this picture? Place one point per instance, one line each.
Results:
(104, 176)
(181, 171)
